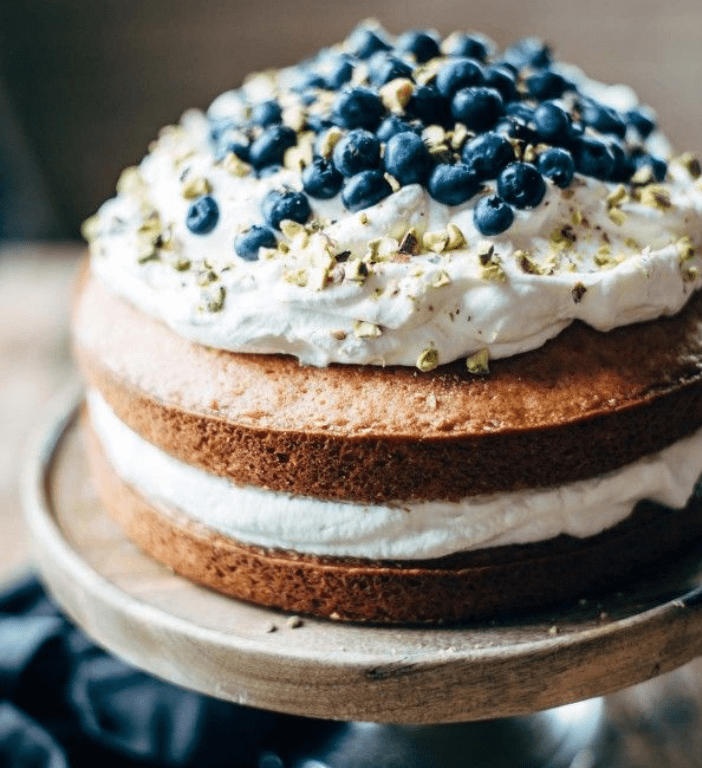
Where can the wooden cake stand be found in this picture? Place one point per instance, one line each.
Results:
(218, 646)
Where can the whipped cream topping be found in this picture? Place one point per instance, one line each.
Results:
(341, 289)
(403, 531)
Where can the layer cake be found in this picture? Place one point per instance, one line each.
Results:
(409, 332)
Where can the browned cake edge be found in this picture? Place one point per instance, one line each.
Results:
(464, 587)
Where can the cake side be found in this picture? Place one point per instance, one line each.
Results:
(582, 405)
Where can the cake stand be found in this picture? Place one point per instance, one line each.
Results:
(402, 690)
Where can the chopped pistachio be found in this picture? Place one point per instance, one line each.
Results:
(396, 94)
(297, 158)
(643, 176)
(690, 274)
(328, 141)
(181, 264)
(577, 292)
(362, 329)
(656, 196)
(459, 136)
(410, 242)
(206, 277)
(267, 254)
(686, 250)
(440, 279)
(146, 252)
(428, 359)
(494, 272)
(292, 228)
(214, 299)
(691, 163)
(629, 242)
(617, 216)
(363, 218)
(478, 363)
(434, 136)
(196, 188)
(235, 165)
(297, 277)
(393, 182)
(436, 241)
(562, 238)
(526, 263)
(485, 251)
(338, 335)
(294, 116)
(617, 196)
(576, 218)
(456, 238)
(356, 271)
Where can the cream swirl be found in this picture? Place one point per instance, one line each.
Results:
(347, 288)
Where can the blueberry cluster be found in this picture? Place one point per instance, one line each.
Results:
(499, 104)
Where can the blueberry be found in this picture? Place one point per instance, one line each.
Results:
(365, 189)
(487, 154)
(279, 205)
(453, 184)
(503, 80)
(407, 159)
(338, 74)
(392, 125)
(547, 85)
(358, 108)
(321, 180)
(528, 51)
(592, 157)
(203, 215)
(557, 164)
(429, 106)
(472, 46)
(384, 67)
(658, 166)
(623, 167)
(269, 148)
(643, 120)
(492, 215)
(267, 113)
(602, 118)
(521, 185)
(363, 42)
(357, 151)
(246, 244)
(552, 123)
(478, 107)
(456, 74)
(422, 45)
(518, 109)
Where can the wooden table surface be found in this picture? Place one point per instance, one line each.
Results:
(655, 724)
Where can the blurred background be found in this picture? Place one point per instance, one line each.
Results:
(85, 84)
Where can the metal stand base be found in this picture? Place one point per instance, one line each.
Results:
(564, 737)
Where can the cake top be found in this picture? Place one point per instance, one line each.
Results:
(408, 201)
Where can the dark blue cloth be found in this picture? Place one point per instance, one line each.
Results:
(65, 703)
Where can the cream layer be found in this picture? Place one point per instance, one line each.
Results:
(418, 531)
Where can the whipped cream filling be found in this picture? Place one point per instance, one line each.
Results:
(404, 531)
(587, 252)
